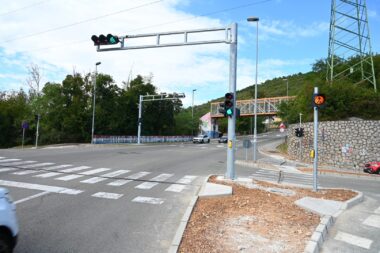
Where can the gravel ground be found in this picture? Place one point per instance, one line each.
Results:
(262, 218)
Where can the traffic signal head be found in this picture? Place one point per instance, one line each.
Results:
(299, 132)
(229, 104)
(105, 40)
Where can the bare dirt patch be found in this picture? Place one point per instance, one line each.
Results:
(254, 220)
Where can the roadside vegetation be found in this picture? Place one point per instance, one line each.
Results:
(66, 108)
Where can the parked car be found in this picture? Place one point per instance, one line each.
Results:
(223, 139)
(372, 167)
(8, 222)
(202, 138)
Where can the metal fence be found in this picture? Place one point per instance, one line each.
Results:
(109, 139)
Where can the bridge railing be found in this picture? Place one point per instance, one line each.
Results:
(265, 106)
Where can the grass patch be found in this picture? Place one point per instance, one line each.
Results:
(283, 148)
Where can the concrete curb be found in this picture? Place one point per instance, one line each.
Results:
(315, 243)
(185, 219)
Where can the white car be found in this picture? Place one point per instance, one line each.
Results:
(202, 138)
(8, 222)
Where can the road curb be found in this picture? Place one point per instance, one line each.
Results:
(317, 239)
(185, 219)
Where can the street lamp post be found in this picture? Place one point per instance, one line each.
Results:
(192, 114)
(93, 105)
(255, 19)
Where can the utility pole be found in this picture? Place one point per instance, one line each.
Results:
(315, 163)
(192, 114)
(93, 105)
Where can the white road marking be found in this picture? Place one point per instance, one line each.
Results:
(2, 157)
(17, 163)
(150, 185)
(26, 172)
(148, 200)
(373, 221)
(186, 179)
(35, 165)
(30, 197)
(9, 160)
(46, 188)
(69, 177)
(378, 212)
(353, 240)
(107, 195)
(75, 169)
(176, 188)
(119, 182)
(104, 177)
(91, 172)
(7, 169)
(58, 167)
(49, 174)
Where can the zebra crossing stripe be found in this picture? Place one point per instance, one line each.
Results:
(91, 172)
(104, 177)
(138, 175)
(377, 210)
(74, 169)
(179, 187)
(40, 187)
(2, 157)
(25, 172)
(150, 185)
(49, 174)
(35, 165)
(58, 167)
(186, 179)
(107, 195)
(176, 188)
(148, 200)
(17, 163)
(7, 169)
(9, 160)
(353, 240)
(119, 182)
(69, 177)
(373, 221)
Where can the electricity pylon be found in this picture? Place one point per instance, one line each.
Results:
(350, 52)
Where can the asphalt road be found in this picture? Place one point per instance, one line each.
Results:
(107, 198)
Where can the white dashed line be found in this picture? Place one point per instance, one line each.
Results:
(40, 187)
(353, 240)
(148, 200)
(373, 221)
(107, 195)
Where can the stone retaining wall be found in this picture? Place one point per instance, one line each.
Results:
(341, 144)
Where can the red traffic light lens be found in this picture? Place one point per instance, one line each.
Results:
(229, 96)
(95, 39)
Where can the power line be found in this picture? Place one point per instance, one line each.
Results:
(161, 24)
(80, 22)
(23, 8)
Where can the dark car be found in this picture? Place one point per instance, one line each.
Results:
(372, 167)
(223, 139)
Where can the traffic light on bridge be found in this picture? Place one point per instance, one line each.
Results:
(105, 40)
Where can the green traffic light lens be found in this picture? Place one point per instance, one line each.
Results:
(229, 112)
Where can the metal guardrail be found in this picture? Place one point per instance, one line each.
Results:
(265, 106)
(110, 139)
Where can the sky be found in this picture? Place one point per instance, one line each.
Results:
(55, 35)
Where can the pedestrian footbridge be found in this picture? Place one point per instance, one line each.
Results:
(265, 106)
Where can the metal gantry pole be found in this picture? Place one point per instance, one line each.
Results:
(315, 163)
(192, 114)
(139, 120)
(230, 173)
(255, 19)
